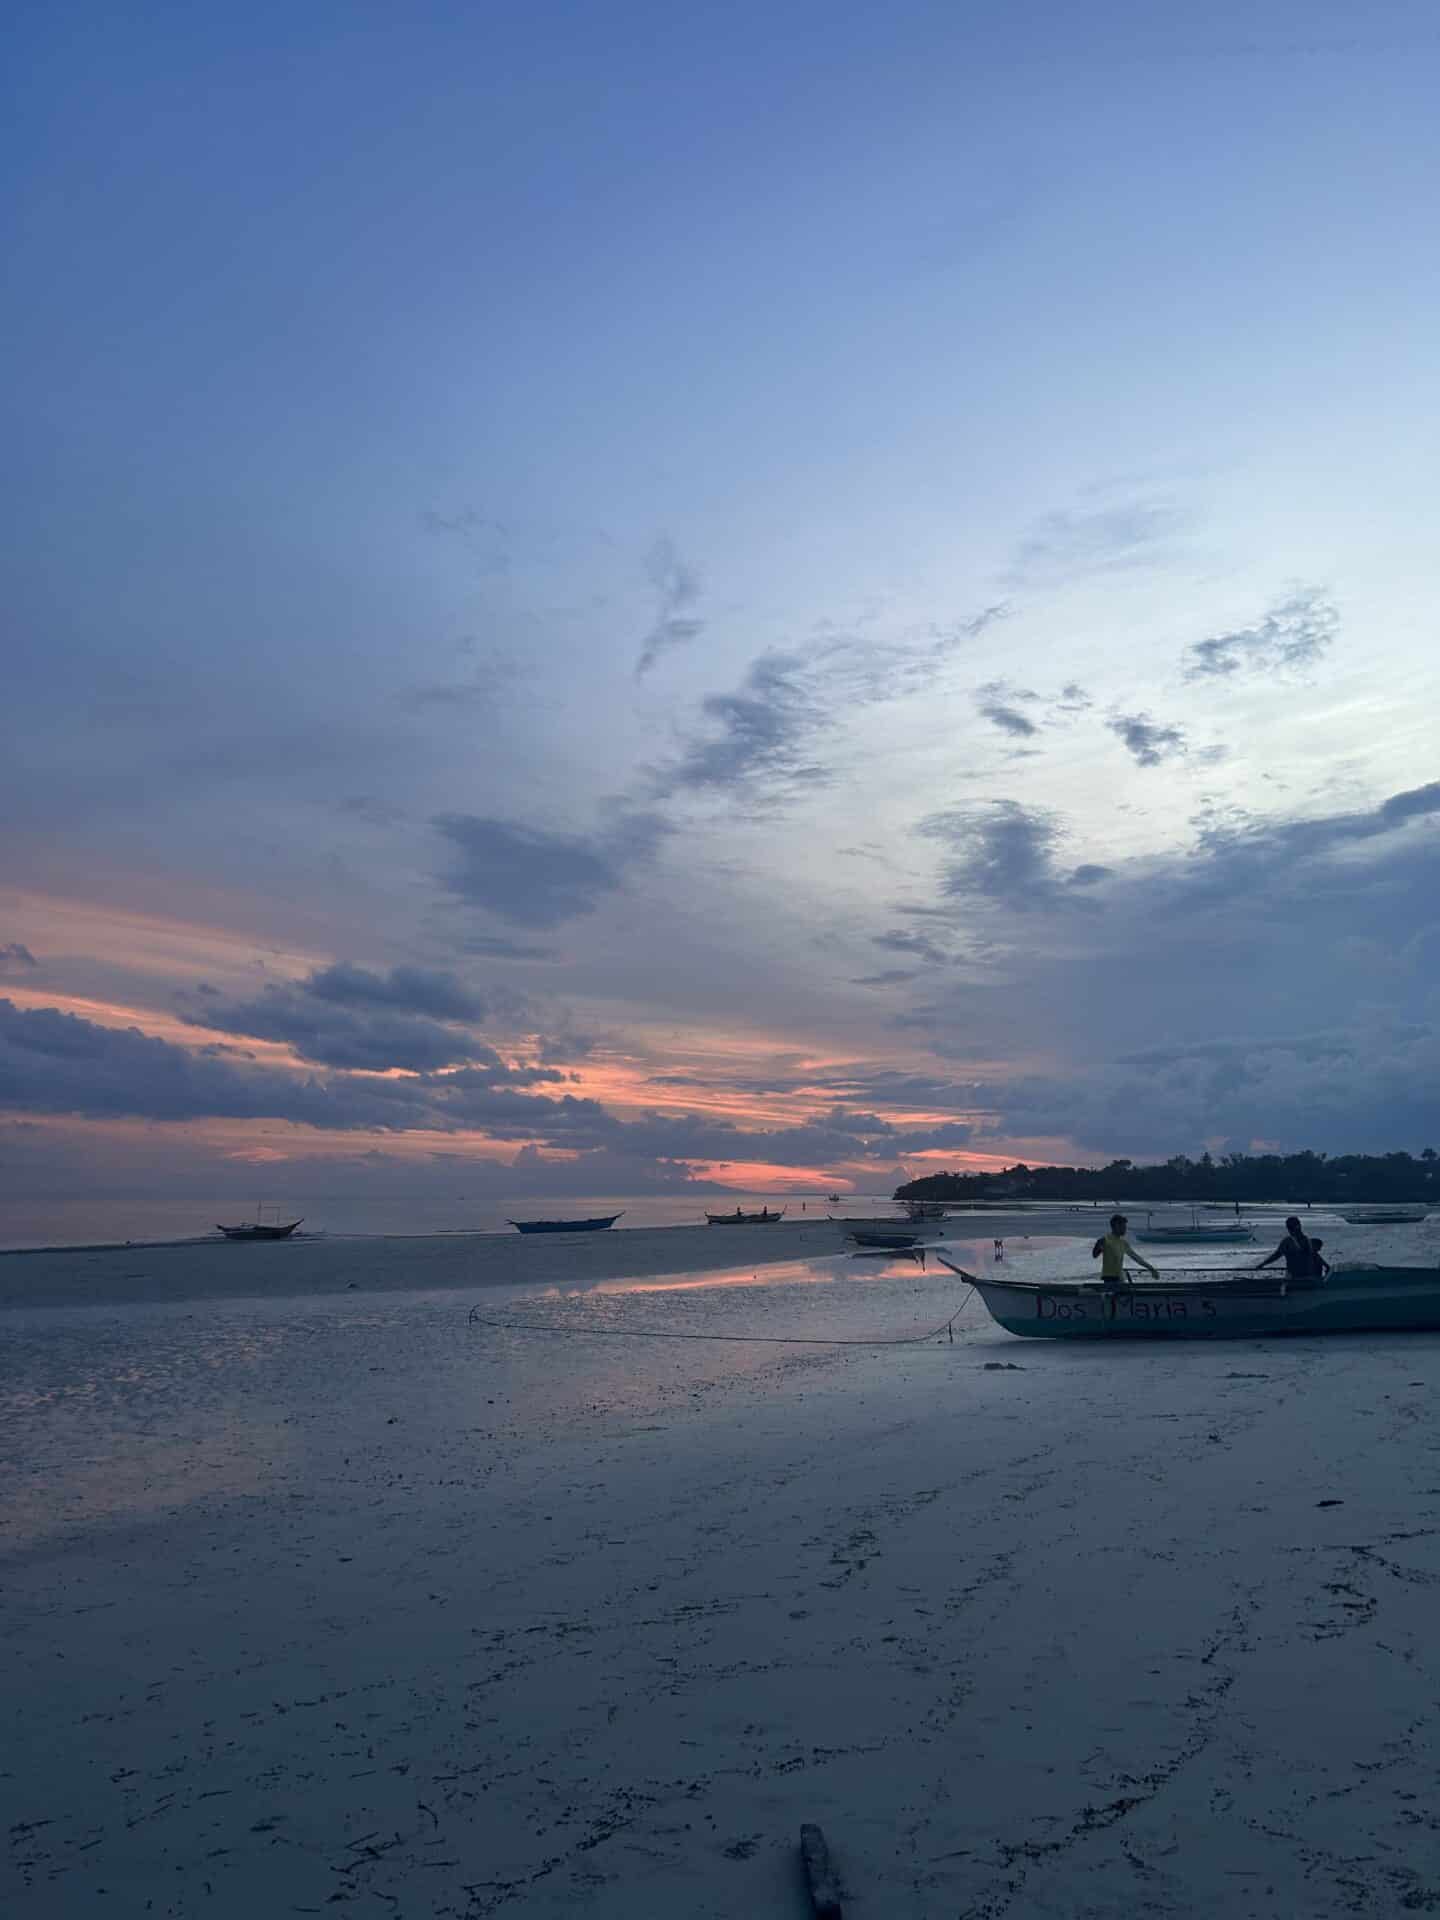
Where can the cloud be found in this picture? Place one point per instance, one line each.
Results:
(758, 738)
(1269, 932)
(347, 1016)
(1293, 636)
(1148, 743)
(17, 959)
(677, 586)
(412, 989)
(338, 1036)
(1000, 703)
(890, 977)
(902, 940)
(497, 947)
(1063, 545)
(53, 1062)
(999, 850)
(536, 878)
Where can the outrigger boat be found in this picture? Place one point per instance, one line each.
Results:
(765, 1218)
(898, 1239)
(567, 1226)
(1385, 1216)
(1212, 1304)
(1199, 1233)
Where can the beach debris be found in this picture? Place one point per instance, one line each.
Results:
(1001, 1366)
(819, 1878)
(1329, 1503)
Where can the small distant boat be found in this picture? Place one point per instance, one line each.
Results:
(833, 1198)
(1199, 1233)
(1201, 1306)
(1385, 1216)
(567, 1226)
(764, 1218)
(259, 1230)
(925, 1209)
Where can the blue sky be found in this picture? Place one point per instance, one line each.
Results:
(649, 514)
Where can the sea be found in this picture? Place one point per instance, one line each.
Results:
(116, 1219)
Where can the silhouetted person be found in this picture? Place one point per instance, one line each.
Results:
(1322, 1265)
(1112, 1250)
(1297, 1250)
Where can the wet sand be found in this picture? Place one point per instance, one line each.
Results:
(223, 1269)
(341, 1601)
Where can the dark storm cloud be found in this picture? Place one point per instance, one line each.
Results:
(998, 849)
(536, 878)
(1064, 545)
(17, 959)
(1147, 741)
(1292, 636)
(677, 587)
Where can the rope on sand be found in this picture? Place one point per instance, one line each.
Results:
(477, 1319)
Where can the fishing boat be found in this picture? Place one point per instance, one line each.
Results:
(897, 1239)
(925, 1209)
(882, 1223)
(1385, 1216)
(259, 1230)
(567, 1226)
(764, 1218)
(833, 1198)
(1199, 1233)
(1201, 1305)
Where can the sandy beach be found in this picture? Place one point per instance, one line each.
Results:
(335, 1599)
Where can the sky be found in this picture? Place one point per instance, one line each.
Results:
(643, 598)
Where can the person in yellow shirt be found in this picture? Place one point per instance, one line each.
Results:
(1112, 1250)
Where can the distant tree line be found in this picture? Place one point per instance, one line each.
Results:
(1299, 1177)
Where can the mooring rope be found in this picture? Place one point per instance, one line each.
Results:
(476, 1318)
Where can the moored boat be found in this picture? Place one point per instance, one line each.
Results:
(1207, 1305)
(567, 1226)
(259, 1230)
(1199, 1233)
(897, 1239)
(765, 1218)
(1385, 1216)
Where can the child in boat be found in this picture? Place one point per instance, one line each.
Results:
(1322, 1265)
(1112, 1250)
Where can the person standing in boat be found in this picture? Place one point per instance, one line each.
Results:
(1297, 1250)
(1113, 1249)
